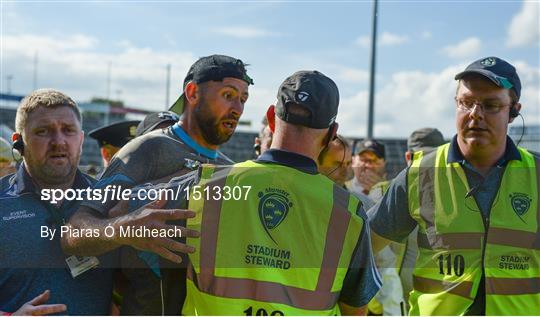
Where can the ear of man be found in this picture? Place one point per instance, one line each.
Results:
(106, 154)
(271, 117)
(408, 156)
(192, 94)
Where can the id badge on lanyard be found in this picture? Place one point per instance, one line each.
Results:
(77, 264)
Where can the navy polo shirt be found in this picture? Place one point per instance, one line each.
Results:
(31, 264)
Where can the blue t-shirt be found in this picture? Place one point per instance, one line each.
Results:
(31, 264)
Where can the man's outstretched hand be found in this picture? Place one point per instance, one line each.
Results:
(37, 306)
(152, 216)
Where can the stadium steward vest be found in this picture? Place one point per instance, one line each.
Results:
(283, 248)
(457, 244)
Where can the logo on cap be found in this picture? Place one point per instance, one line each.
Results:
(488, 61)
(132, 130)
(274, 206)
(302, 96)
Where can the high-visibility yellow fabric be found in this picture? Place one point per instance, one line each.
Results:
(455, 249)
(283, 250)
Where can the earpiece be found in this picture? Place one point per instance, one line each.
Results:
(332, 130)
(18, 145)
(513, 112)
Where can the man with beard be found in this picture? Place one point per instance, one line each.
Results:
(213, 98)
(32, 265)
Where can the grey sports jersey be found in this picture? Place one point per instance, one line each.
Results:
(154, 285)
(159, 155)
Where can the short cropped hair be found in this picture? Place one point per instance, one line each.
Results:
(48, 98)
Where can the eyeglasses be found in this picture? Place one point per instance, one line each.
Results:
(490, 107)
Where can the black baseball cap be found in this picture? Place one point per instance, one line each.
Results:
(116, 134)
(154, 119)
(425, 139)
(315, 92)
(499, 71)
(370, 145)
(212, 68)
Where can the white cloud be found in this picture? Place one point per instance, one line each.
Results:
(245, 32)
(467, 48)
(530, 91)
(47, 44)
(426, 35)
(404, 100)
(363, 41)
(76, 65)
(524, 30)
(384, 39)
(389, 39)
(353, 75)
(414, 99)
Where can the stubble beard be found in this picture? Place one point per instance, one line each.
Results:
(209, 125)
(50, 174)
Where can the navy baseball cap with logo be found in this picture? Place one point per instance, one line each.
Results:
(212, 68)
(315, 92)
(499, 71)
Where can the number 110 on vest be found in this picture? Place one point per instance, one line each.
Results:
(262, 312)
(445, 264)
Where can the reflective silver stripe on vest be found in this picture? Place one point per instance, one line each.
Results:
(431, 286)
(335, 237)
(426, 181)
(451, 241)
(512, 286)
(210, 223)
(320, 299)
(514, 238)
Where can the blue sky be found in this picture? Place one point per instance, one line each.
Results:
(421, 46)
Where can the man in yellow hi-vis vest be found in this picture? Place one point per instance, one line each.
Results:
(475, 202)
(278, 238)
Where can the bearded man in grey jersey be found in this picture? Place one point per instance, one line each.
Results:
(215, 91)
